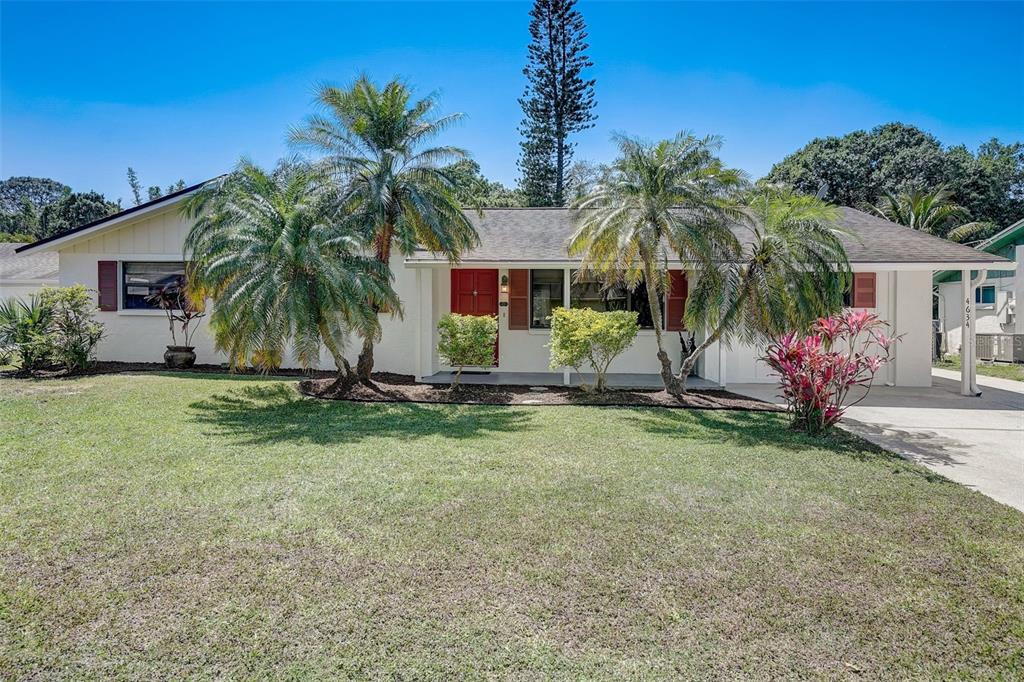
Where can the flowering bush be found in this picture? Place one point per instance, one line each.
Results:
(819, 370)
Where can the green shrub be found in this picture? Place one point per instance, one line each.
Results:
(467, 340)
(72, 331)
(53, 328)
(582, 335)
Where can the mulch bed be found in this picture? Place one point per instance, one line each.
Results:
(131, 367)
(402, 388)
(389, 388)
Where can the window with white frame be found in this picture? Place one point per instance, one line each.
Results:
(985, 296)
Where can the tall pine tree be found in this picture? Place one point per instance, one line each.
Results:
(557, 101)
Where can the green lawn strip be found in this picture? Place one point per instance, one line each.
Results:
(189, 525)
(996, 369)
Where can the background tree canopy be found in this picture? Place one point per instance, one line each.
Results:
(860, 167)
(38, 191)
(473, 189)
(74, 209)
(34, 208)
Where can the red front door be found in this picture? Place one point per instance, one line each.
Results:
(475, 292)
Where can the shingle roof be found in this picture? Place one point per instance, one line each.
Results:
(537, 235)
(40, 265)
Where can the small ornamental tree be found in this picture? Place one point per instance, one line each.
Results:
(180, 307)
(819, 370)
(582, 335)
(467, 341)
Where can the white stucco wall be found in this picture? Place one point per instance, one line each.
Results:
(527, 350)
(22, 290)
(409, 343)
(142, 335)
(901, 298)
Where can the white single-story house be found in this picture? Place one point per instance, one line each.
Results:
(996, 298)
(519, 272)
(25, 274)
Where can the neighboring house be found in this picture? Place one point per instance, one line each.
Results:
(520, 272)
(997, 300)
(24, 274)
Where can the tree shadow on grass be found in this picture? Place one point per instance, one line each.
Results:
(265, 414)
(751, 429)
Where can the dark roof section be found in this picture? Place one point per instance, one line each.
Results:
(14, 266)
(537, 235)
(128, 211)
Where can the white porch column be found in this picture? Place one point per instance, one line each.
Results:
(968, 370)
(424, 323)
(567, 302)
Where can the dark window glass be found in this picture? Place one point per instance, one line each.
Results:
(144, 279)
(546, 294)
(589, 293)
(985, 295)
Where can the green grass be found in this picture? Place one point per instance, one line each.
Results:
(159, 527)
(999, 370)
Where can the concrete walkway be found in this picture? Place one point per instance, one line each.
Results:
(978, 442)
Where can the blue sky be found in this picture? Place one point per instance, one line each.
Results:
(184, 89)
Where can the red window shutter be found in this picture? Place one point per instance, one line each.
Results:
(675, 304)
(864, 290)
(518, 299)
(106, 284)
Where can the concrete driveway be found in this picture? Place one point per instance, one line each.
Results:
(978, 442)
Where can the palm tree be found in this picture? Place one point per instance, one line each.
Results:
(791, 270)
(673, 197)
(282, 267)
(393, 186)
(934, 212)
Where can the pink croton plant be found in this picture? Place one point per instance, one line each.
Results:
(819, 370)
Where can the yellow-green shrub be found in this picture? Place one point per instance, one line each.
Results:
(467, 341)
(582, 335)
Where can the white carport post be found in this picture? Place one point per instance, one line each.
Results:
(968, 349)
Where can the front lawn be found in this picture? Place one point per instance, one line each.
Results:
(166, 526)
(993, 369)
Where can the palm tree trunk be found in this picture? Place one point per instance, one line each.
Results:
(364, 365)
(382, 246)
(672, 384)
(715, 335)
(346, 377)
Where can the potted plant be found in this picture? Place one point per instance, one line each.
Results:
(181, 311)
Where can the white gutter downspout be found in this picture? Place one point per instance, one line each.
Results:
(968, 368)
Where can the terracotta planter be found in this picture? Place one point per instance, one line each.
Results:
(180, 357)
